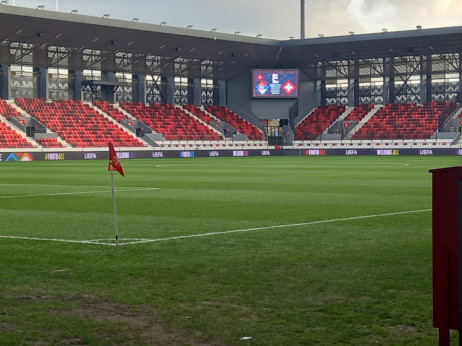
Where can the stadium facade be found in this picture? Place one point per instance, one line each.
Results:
(67, 56)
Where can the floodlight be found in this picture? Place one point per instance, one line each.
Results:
(384, 30)
(351, 32)
(4, 2)
(75, 11)
(237, 33)
(189, 26)
(106, 15)
(259, 35)
(40, 7)
(320, 35)
(418, 27)
(163, 23)
(135, 19)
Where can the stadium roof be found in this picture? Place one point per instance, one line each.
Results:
(42, 38)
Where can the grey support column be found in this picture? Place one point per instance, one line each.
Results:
(139, 88)
(167, 89)
(5, 82)
(75, 84)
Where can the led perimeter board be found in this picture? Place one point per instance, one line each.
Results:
(275, 83)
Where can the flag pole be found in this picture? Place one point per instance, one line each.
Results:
(115, 209)
(114, 163)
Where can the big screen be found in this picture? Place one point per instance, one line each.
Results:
(275, 83)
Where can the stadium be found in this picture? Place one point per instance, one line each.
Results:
(280, 195)
(164, 90)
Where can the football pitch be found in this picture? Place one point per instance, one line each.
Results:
(218, 251)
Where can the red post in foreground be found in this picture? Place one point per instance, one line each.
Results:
(447, 251)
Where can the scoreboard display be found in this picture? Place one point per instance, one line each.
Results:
(275, 83)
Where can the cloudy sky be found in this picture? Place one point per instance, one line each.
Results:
(277, 19)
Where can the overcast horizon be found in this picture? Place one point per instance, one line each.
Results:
(271, 19)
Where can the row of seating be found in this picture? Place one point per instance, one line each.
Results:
(7, 111)
(204, 116)
(358, 113)
(49, 142)
(110, 110)
(317, 122)
(9, 138)
(78, 123)
(406, 121)
(80, 126)
(171, 121)
(241, 125)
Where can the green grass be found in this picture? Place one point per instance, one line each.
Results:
(350, 280)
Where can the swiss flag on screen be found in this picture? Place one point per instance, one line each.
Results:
(114, 163)
(288, 87)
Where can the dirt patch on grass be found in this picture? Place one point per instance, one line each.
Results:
(86, 319)
(141, 325)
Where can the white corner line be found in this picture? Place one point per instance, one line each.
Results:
(135, 241)
(141, 241)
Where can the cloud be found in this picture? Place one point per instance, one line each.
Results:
(273, 18)
(404, 15)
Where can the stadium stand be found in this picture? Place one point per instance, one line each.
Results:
(317, 122)
(9, 138)
(241, 125)
(77, 123)
(49, 142)
(358, 113)
(110, 110)
(8, 111)
(81, 125)
(171, 121)
(406, 121)
(205, 117)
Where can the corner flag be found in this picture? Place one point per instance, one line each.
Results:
(114, 163)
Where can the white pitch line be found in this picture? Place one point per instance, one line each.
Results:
(80, 192)
(141, 241)
(96, 242)
(134, 241)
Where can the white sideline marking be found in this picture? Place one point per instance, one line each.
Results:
(97, 242)
(140, 241)
(81, 192)
(132, 241)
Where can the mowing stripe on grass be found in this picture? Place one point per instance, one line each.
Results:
(133, 241)
(81, 192)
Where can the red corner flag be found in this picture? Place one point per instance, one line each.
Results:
(114, 163)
